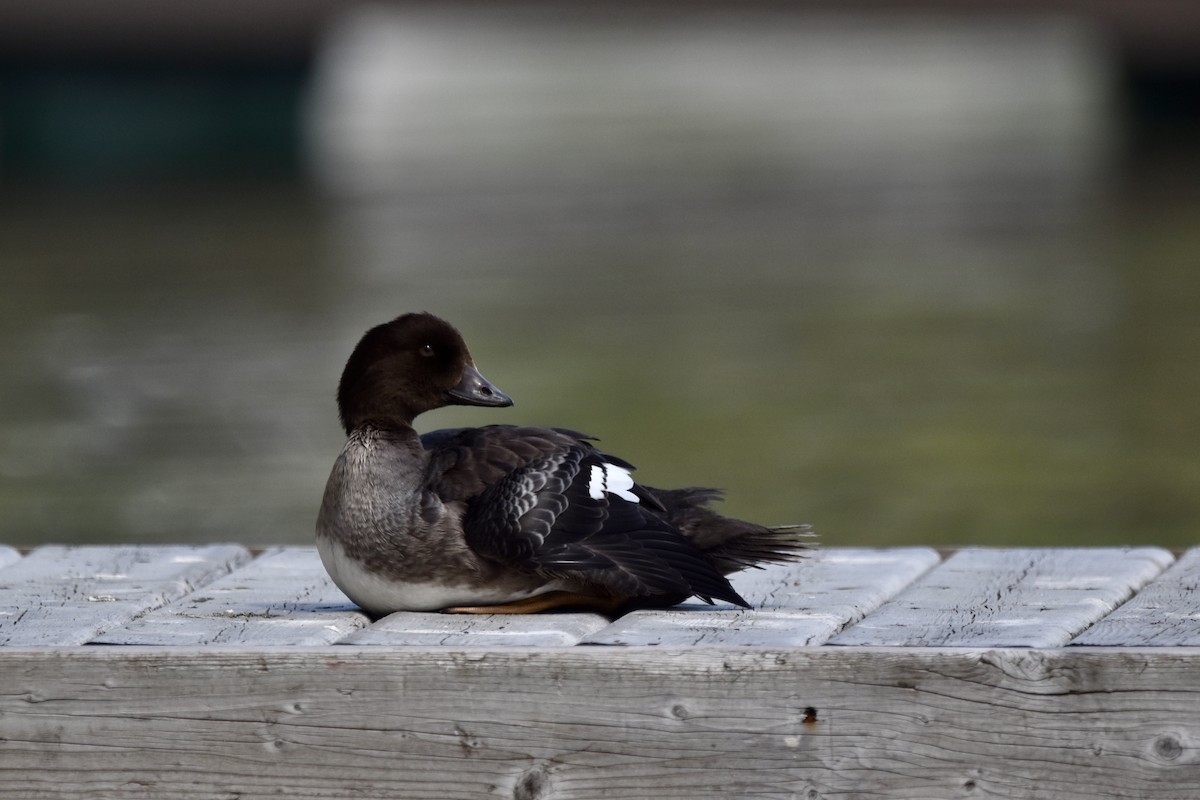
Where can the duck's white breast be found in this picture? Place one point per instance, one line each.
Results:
(382, 595)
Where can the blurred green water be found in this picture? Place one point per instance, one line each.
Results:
(170, 358)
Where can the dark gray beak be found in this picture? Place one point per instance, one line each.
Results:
(476, 390)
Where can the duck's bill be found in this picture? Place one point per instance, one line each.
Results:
(476, 390)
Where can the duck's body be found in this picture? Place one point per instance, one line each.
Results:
(503, 518)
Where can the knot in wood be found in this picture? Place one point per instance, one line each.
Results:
(1167, 748)
(532, 785)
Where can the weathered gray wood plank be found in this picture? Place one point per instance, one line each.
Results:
(8, 555)
(599, 723)
(282, 597)
(795, 604)
(489, 630)
(1164, 613)
(1001, 598)
(68, 595)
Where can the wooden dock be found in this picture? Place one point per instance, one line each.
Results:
(214, 672)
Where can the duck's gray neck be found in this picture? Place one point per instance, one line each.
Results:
(379, 478)
(395, 433)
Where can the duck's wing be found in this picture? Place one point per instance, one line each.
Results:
(463, 462)
(545, 500)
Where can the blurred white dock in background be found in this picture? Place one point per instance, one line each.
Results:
(916, 118)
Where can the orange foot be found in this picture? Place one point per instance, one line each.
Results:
(543, 602)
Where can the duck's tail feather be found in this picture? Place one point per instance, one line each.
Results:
(732, 544)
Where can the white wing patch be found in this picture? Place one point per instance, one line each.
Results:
(612, 479)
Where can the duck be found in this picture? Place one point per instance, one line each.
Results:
(506, 519)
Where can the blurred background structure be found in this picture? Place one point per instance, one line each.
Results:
(911, 272)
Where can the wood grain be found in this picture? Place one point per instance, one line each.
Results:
(69, 595)
(283, 597)
(795, 604)
(603, 723)
(1165, 613)
(488, 630)
(1009, 598)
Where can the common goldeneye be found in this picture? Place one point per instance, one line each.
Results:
(503, 518)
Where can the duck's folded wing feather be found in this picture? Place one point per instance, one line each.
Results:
(576, 512)
(464, 462)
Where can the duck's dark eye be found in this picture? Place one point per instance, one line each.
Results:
(426, 350)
